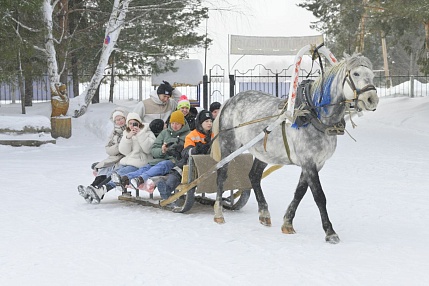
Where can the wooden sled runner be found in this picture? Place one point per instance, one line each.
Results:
(237, 186)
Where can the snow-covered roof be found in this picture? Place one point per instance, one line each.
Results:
(189, 73)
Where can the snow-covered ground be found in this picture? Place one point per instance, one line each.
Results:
(378, 201)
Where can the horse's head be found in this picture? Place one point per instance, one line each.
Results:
(358, 86)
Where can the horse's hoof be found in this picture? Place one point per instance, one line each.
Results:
(265, 221)
(288, 229)
(219, 220)
(332, 239)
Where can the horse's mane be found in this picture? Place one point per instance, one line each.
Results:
(348, 63)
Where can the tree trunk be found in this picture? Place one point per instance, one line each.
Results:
(62, 46)
(28, 83)
(427, 39)
(72, 23)
(113, 29)
(112, 76)
(59, 98)
(75, 75)
(96, 97)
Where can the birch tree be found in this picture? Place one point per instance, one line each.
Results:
(113, 30)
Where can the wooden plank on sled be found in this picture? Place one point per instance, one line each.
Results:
(238, 173)
(143, 201)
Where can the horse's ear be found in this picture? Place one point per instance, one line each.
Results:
(346, 55)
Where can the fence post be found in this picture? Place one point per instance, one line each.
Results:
(140, 88)
(231, 85)
(205, 92)
(277, 85)
(411, 91)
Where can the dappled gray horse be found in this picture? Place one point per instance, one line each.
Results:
(346, 83)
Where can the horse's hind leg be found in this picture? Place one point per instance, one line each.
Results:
(222, 175)
(300, 191)
(255, 177)
(320, 199)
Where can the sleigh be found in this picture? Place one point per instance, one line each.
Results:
(237, 187)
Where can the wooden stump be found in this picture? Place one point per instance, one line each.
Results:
(61, 127)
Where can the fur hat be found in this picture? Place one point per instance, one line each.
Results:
(177, 116)
(183, 102)
(156, 126)
(118, 113)
(165, 88)
(203, 116)
(135, 116)
(215, 105)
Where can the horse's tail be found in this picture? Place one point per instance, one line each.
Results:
(215, 148)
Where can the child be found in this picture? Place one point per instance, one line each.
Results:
(105, 167)
(198, 141)
(184, 105)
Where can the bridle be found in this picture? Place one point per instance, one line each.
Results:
(355, 90)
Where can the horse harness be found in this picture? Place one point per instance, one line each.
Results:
(309, 114)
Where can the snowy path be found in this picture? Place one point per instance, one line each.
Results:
(377, 192)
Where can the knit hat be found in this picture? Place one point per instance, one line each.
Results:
(203, 116)
(135, 116)
(118, 113)
(215, 105)
(156, 126)
(165, 88)
(183, 102)
(177, 116)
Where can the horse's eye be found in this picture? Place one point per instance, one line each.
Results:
(356, 74)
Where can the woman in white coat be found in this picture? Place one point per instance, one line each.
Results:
(104, 168)
(136, 144)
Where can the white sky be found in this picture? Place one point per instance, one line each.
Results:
(253, 18)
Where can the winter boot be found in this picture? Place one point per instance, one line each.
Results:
(137, 182)
(149, 186)
(120, 182)
(96, 193)
(82, 191)
(98, 180)
(163, 189)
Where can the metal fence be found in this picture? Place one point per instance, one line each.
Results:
(220, 85)
(124, 87)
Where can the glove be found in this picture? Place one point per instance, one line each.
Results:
(208, 138)
(202, 148)
(93, 166)
(175, 150)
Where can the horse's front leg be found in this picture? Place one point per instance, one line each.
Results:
(300, 191)
(313, 180)
(255, 177)
(222, 175)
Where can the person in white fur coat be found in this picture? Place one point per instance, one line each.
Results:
(136, 144)
(104, 168)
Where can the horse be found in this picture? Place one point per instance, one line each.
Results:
(344, 85)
